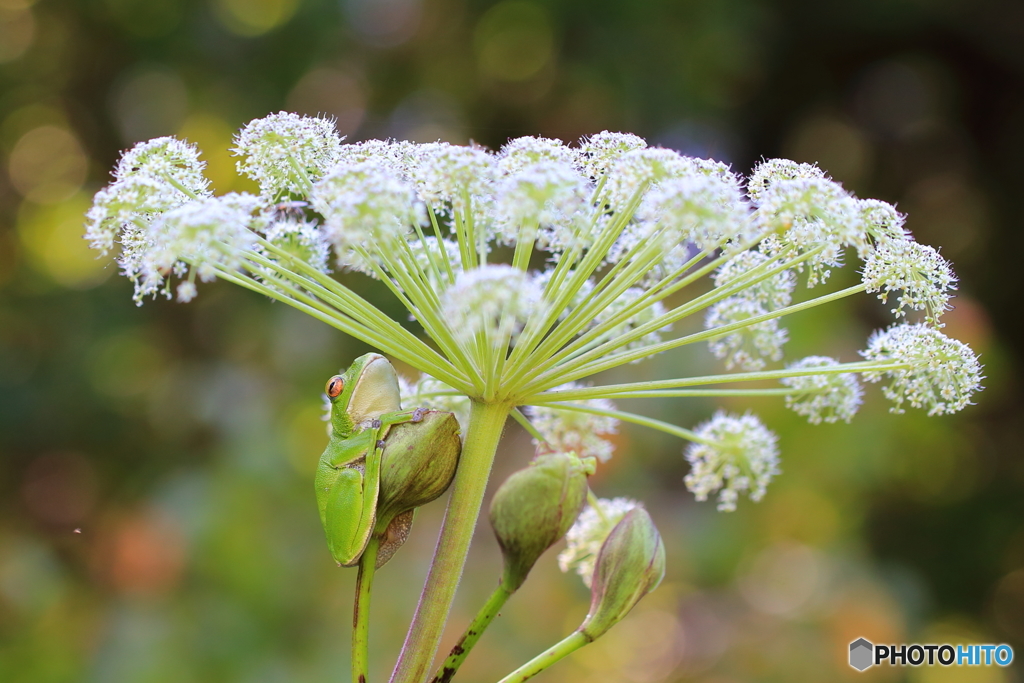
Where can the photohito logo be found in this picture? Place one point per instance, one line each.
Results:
(864, 654)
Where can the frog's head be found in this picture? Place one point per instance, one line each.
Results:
(368, 388)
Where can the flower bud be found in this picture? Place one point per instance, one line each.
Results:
(630, 565)
(417, 465)
(535, 507)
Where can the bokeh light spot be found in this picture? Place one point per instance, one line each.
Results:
(1008, 604)
(125, 365)
(331, 92)
(17, 31)
(384, 23)
(783, 579)
(54, 244)
(150, 102)
(145, 18)
(47, 165)
(213, 136)
(250, 18)
(141, 553)
(838, 147)
(305, 438)
(514, 41)
(59, 488)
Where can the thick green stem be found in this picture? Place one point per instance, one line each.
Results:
(473, 632)
(486, 421)
(361, 612)
(547, 658)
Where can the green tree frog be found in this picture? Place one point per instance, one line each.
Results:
(365, 405)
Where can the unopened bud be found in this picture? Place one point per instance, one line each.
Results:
(535, 507)
(630, 565)
(417, 466)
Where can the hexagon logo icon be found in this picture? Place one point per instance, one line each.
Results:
(861, 654)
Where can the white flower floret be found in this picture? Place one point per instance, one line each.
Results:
(186, 291)
(772, 293)
(768, 172)
(636, 171)
(707, 210)
(599, 152)
(494, 300)
(827, 398)
(808, 214)
(302, 239)
(286, 153)
(570, 430)
(450, 175)
(916, 270)
(736, 453)
(746, 347)
(366, 209)
(429, 392)
(150, 178)
(545, 194)
(588, 534)
(167, 159)
(396, 155)
(943, 375)
(882, 223)
(520, 153)
(204, 235)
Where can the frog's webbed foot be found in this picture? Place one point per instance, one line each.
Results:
(417, 415)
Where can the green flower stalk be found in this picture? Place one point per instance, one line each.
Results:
(605, 239)
(531, 511)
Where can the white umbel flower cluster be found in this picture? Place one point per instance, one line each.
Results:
(150, 178)
(545, 194)
(366, 208)
(493, 301)
(923, 277)
(588, 534)
(598, 152)
(569, 430)
(208, 234)
(286, 153)
(823, 398)
(734, 454)
(522, 153)
(939, 374)
(546, 263)
(747, 347)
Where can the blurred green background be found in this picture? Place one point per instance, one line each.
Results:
(181, 440)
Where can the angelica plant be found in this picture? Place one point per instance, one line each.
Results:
(602, 239)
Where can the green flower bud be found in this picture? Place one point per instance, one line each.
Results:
(630, 565)
(535, 507)
(417, 466)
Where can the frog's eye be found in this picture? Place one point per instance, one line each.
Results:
(335, 386)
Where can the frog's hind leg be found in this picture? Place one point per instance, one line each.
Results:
(344, 512)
